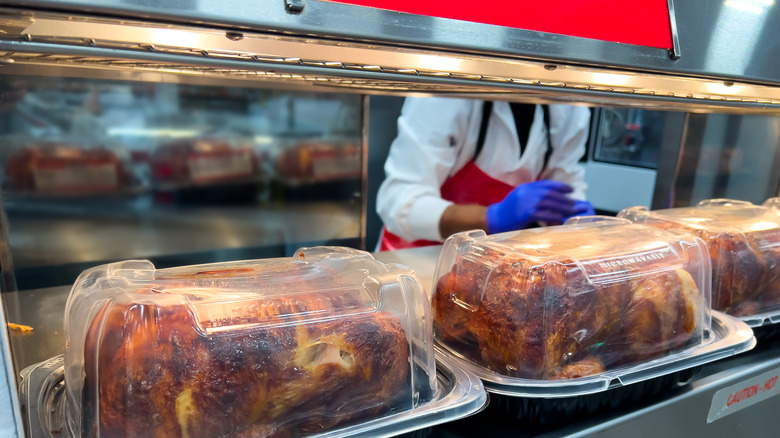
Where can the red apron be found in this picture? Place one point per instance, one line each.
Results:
(469, 185)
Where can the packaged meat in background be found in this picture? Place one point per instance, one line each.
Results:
(202, 162)
(52, 168)
(743, 242)
(319, 160)
(571, 301)
(279, 347)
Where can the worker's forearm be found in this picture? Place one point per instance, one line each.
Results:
(462, 217)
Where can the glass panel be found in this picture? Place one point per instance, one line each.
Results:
(729, 156)
(630, 136)
(96, 171)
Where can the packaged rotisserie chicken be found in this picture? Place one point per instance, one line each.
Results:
(569, 302)
(202, 162)
(743, 242)
(52, 168)
(281, 347)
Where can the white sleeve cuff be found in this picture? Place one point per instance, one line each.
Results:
(424, 217)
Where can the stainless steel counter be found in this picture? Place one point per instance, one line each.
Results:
(677, 412)
(52, 242)
(56, 234)
(421, 260)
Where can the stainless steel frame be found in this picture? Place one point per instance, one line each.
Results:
(675, 52)
(380, 51)
(10, 420)
(698, 23)
(364, 120)
(669, 169)
(7, 277)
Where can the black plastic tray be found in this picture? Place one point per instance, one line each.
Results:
(768, 331)
(569, 409)
(765, 326)
(546, 402)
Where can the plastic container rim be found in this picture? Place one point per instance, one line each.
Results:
(466, 396)
(730, 336)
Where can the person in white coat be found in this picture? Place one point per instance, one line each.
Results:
(462, 164)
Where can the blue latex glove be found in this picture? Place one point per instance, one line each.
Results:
(540, 201)
(582, 208)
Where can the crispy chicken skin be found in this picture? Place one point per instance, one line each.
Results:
(549, 321)
(745, 271)
(157, 374)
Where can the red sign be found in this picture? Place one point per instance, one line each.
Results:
(639, 22)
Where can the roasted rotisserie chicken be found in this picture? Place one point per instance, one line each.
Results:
(745, 271)
(278, 371)
(537, 315)
(743, 241)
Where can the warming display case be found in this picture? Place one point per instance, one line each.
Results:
(265, 101)
(176, 172)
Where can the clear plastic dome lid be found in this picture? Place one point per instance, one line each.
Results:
(743, 241)
(571, 301)
(298, 345)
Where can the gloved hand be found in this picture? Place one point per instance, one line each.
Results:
(582, 208)
(538, 201)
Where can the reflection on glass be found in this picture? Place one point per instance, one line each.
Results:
(729, 156)
(96, 171)
(630, 136)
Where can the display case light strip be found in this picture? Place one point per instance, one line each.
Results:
(720, 91)
(377, 84)
(574, 74)
(349, 58)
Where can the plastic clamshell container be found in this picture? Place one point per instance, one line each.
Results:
(557, 311)
(204, 161)
(743, 241)
(42, 397)
(65, 168)
(729, 337)
(459, 394)
(293, 346)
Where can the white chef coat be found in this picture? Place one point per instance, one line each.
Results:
(438, 136)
